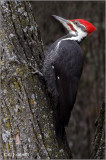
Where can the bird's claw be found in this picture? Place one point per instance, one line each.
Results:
(38, 72)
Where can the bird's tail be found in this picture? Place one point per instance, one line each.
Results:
(60, 130)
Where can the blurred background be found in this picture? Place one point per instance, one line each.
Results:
(81, 128)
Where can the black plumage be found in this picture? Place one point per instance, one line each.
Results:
(62, 70)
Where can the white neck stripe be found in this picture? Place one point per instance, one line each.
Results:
(78, 38)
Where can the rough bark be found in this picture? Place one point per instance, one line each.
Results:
(98, 151)
(27, 116)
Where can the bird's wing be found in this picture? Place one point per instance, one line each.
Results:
(67, 69)
(67, 90)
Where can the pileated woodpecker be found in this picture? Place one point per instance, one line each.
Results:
(63, 67)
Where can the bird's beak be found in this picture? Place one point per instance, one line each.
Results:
(64, 22)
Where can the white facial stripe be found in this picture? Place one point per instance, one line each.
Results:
(67, 27)
(81, 34)
(82, 25)
(78, 36)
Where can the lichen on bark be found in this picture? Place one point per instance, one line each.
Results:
(27, 128)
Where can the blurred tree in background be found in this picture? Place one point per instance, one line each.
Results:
(90, 96)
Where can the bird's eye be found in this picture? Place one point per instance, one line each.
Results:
(76, 22)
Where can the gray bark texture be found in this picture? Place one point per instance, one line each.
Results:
(27, 116)
(98, 151)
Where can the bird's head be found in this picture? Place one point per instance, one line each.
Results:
(78, 28)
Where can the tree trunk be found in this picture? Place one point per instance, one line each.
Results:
(98, 151)
(27, 116)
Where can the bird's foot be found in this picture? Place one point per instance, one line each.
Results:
(38, 73)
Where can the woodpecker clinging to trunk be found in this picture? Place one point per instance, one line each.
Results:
(63, 67)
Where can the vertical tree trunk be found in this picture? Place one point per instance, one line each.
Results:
(27, 129)
(99, 140)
